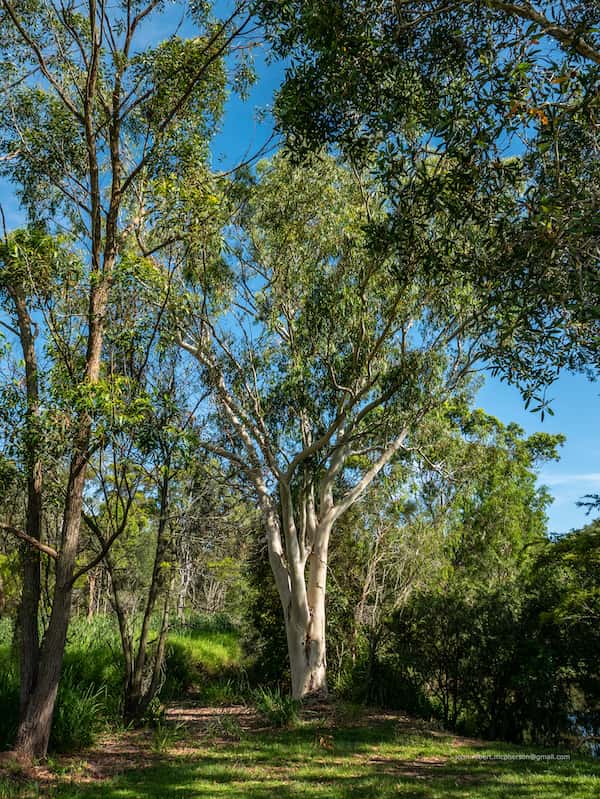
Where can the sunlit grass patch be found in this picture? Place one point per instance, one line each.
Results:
(349, 763)
(213, 651)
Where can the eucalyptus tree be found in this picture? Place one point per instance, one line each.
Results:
(499, 93)
(36, 270)
(96, 115)
(324, 362)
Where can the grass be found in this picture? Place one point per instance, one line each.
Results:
(353, 758)
(201, 657)
(212, 651)
(330, 762)
(207, 661)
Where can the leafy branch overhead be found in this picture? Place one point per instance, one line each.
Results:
(485, 113)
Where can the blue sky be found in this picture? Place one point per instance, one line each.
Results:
(576, 405)
(575, 399)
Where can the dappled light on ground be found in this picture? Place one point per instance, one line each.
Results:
(228, 751)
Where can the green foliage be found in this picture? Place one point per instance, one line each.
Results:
(460, 644)
(79, 715)
(10, 584)
(566, 601)
(6, 632)
(278, 708)
(181, 671)
(9, 702)
(501, 660)
(33, 263)
(432, 96)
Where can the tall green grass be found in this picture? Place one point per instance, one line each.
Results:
(203, 654)
(199, 659)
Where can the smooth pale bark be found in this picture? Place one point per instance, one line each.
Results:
(307, 645)
(302, 598)
(303, 594)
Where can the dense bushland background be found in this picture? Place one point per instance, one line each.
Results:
(240, 452)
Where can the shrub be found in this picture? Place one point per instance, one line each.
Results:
(180, 668)
(9, 703)
(165, 736)
(78, 716)
(279, 709)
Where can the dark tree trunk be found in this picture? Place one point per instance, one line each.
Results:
(28, 616)
(140, 688)
(33, 733)
(29, 642)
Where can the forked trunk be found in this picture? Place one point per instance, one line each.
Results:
(143, 664)
(307, 652)
(303, 599)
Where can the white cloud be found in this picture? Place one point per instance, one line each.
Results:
(569, 479)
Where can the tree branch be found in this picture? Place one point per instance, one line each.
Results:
(567, 37)
(30, 540)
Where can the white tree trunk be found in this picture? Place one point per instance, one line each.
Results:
(307, 647)
(303, 601)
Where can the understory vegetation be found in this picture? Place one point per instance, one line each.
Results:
(204, 657)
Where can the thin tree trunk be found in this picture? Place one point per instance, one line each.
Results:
(33, 732)
(137, 694)
(92, 579)
(28, 616)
